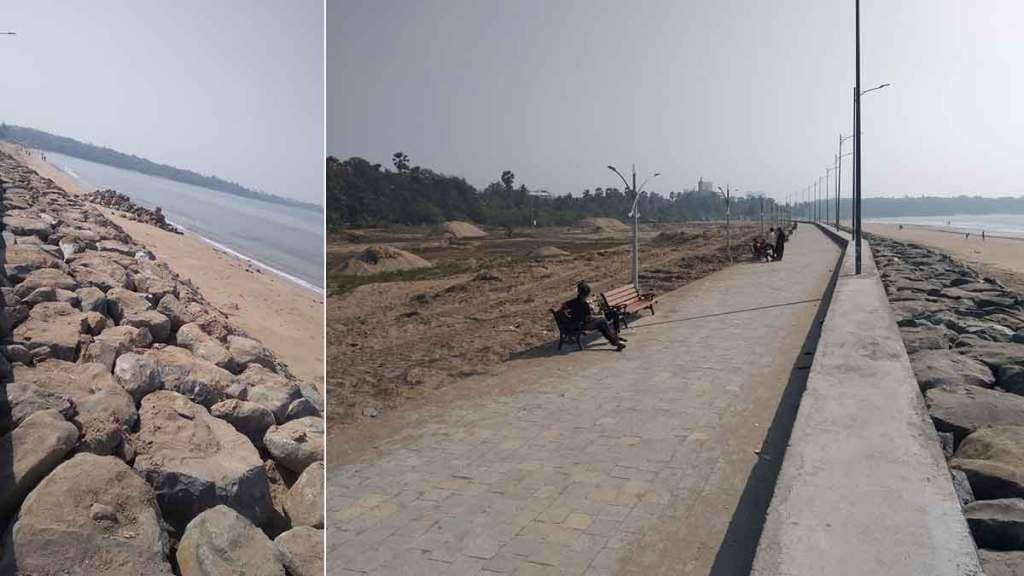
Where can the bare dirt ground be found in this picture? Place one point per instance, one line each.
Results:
(404, 337)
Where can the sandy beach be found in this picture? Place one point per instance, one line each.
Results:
(1001, 257)
(283, 315)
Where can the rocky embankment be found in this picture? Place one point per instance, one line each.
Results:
(122, 203)
(142, 432)
(965, 337)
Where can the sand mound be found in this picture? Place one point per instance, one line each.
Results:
(463, 229)
(547, 252)
(678, 237)
(603, 225)
(380, 259)
(352, 236)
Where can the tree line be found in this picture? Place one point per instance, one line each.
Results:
(360, 193)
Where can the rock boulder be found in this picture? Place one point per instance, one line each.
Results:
(29, 453)
(296, 444)
(304, 503)
(92, 516)
(202, 345)
(993, 460)
(962, 409)
(936, 368)
(196, 461)
(301, 551)
(104, 411)
(997, 524)
(55, 326)
(220, 542)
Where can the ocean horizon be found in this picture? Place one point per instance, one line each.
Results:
(1008, 224)
(283, 240)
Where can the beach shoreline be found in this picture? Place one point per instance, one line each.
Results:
(285, 315)
(1000, 256)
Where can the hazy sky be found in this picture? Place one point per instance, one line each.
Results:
(230, 88)
(750, 93)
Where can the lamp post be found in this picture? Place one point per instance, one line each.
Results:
(839, 177)
(762, 215)
(828, 209)
(857, 95)
(817, 184)
(727, 194)
(814, 201)
(635, 213)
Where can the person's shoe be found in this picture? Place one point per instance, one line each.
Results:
(620, 347)
(623, 339)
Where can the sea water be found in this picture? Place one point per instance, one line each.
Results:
(1003, 224)
(283, 239)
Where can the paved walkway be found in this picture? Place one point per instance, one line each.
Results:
(605, 463)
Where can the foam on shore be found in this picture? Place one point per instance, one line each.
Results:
(299, 281)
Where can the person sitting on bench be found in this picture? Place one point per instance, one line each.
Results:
(580, 313)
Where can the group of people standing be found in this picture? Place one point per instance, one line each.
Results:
(772, 247)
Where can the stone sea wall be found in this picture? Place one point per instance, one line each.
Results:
(142, 433)
(965, 337)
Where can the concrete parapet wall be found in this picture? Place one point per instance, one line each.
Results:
(864, 487)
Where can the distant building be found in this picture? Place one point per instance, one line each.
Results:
(705, 185)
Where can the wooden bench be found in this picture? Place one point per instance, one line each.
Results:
(627, 300)
(568, 331)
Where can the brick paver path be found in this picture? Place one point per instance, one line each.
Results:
(606, 463)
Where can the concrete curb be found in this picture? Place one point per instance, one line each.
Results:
(864, 487)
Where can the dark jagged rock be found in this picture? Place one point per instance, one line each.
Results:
(122, 203)
(935, 368)
(962, 409)
(993, 460)
(196, 461)
(997, 524)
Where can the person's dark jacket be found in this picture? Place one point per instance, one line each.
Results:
(579, 311)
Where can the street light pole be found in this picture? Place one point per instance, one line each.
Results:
(839, 175)
(814, 199)
(762, 215)
(828, 189)
(728, 229)
(635, 213)
(856, 145)
(636, 235)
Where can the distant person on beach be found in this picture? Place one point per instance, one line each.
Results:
(582, 315)
(982, 235)
(780, 244)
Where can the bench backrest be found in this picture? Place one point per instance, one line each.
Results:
(562, 319)
(622, 296)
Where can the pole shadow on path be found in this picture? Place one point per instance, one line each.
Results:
(736, 553)
(728, 313)
(549, 350)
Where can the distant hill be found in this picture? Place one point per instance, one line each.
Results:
(38, 139)
(934, 206)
